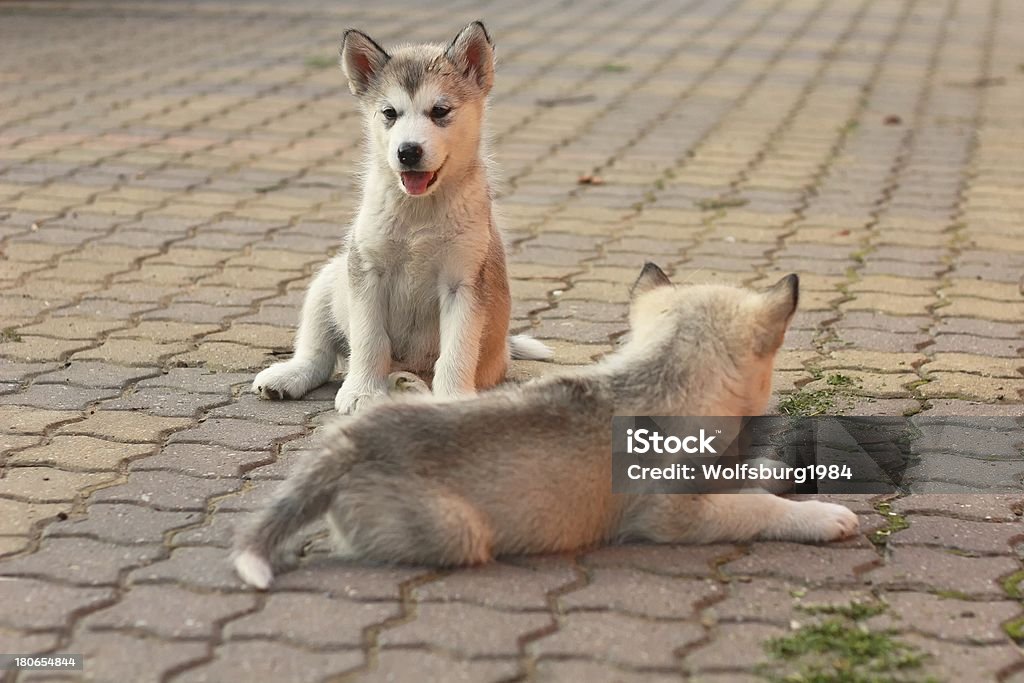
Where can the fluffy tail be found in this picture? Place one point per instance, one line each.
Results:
(528, 348)
(302, 498)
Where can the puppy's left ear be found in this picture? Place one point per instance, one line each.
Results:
(779, 305)
(472, 53)
(650, 278)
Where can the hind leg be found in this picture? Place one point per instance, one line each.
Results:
(409, 523)
(318, 342)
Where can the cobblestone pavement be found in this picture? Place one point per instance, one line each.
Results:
(172, 173)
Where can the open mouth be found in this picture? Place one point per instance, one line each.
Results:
(418, 182)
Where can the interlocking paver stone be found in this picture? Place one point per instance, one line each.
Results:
(943, 570)
(80, 453)
(169, 612)
(500, 585)
(31, 603)
(124, 656)
(273, 661)
(326, 621)
(422, 665)
(662, 597)
(239, 434)
(464, 629)
(124, 524)
(81, 561)
(599, 637)
(167, 490)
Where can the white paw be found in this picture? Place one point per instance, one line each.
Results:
(348, 400)
(815, 521)
(286, 380)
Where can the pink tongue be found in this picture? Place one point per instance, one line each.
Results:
(416, 182)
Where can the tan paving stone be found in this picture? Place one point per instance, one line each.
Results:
(971, 307)
(873, 360)
(80, 453)
(247, 277)
(48, 485)
(35, 348)
(997, 291)
(882, 385)
(28, 420)
(164, 331)
(11, 545)
(18, 518)
(72, 328)
(227, 356)
(971, 387)
(81, 271)
(982, 365)
(182, 256)
(119, 425)
(133, 351)
(886, 284)
(256, 335)
(895, 304)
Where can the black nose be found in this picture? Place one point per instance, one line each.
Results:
(409, 153)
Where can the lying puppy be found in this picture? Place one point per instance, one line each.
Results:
(527, 469)
(421, 283)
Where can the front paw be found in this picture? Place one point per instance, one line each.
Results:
(281, 381)
(349, 400)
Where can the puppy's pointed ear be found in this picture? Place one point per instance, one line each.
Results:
(472, 53)
(779, 305)
(650, 278)
(362, 60)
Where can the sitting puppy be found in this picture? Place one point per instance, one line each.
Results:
(527, 469)
(421, 283)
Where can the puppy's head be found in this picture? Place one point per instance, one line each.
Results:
(731, 332)
(423, 104)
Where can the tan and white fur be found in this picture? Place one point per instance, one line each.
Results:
(527, 469)
(421, 283)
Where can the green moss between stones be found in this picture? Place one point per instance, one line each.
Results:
(1015, 629)
(1011, 585)
(844, 651)
(894, 522)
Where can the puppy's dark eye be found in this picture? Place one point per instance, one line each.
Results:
(389, 113)
(440, 111)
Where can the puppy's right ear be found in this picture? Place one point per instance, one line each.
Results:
(362, 60)
(779, 304)
(650, 278)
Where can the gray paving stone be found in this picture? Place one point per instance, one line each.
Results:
(36, 604)
(81, 561)
(167, 491)
(238, 434)
(170, 612)
(325, 622)
(95, 375)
